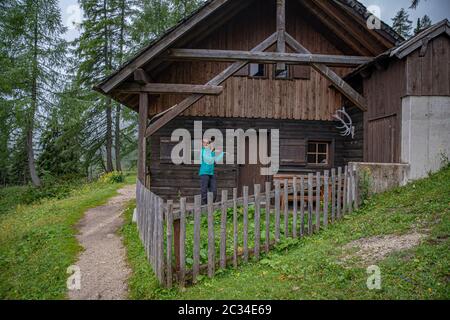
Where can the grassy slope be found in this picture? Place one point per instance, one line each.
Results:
(312, 268)
(37, 242)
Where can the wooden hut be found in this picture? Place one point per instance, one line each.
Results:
(265, 64)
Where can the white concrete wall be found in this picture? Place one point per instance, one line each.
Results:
(425, 134)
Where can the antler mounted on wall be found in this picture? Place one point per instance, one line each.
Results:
(347, 123)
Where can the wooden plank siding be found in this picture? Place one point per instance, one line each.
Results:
(170, 181)
(245, 97)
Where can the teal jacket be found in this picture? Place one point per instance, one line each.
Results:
(208, 161)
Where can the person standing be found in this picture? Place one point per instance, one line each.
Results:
(208, 179)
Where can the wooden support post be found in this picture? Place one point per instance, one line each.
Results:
(142, 141)
(281, 31)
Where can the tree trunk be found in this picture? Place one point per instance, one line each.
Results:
(30, 121)
(106, 53)
(109, 142)
(117, 145)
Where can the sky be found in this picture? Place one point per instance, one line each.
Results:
(436, 9)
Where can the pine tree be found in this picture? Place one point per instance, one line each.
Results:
(38, 52)
(401, 23)
(102, 47)
(426, 22)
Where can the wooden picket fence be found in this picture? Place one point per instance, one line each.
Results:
(306, 205)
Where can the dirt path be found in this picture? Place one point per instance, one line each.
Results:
(104, 271)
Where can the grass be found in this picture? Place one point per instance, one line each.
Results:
(312, 268)
(37, 241)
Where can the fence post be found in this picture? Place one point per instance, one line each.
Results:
(235, 229)
(161, 241)
(197, 227)
(223, 231)
(326, 181)
(351, 189)
(357, 189)
(286, 208)
(302, 206)
(339, 194)
(211, 238)
(277, 211)
(295, 209)
(245, 192)
(344, 205)
(182, 242)
(257, 220)
(318, 187)
(169, 241)
(310, 204)
(333, 195)
(268, 200)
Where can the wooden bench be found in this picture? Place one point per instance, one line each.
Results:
(290, 178)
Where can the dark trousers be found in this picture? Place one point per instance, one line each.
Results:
(208, 184)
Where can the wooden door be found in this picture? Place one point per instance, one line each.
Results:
(382, 140)
(250, 174)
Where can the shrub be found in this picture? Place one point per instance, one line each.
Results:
(112, 177)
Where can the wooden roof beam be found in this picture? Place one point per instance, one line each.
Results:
(343, 87)
(266, 57)
(171, 88)
(178, 109)
(281, 29)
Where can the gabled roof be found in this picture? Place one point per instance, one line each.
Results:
(407, 47)
(416, 42)
(210, 7)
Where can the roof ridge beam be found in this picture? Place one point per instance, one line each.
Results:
(266, 57)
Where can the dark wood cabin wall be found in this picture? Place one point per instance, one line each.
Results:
(171, 181)
(246, 97)
(429, 75)
(354, 147)
(384, 90)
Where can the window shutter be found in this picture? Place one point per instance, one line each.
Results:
(293, 152)
(243, 72)
(301, 72)
(165, 150)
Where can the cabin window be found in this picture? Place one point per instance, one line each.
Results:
(257, 70)
(318, 153)
(282, 74)
(293, 152)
